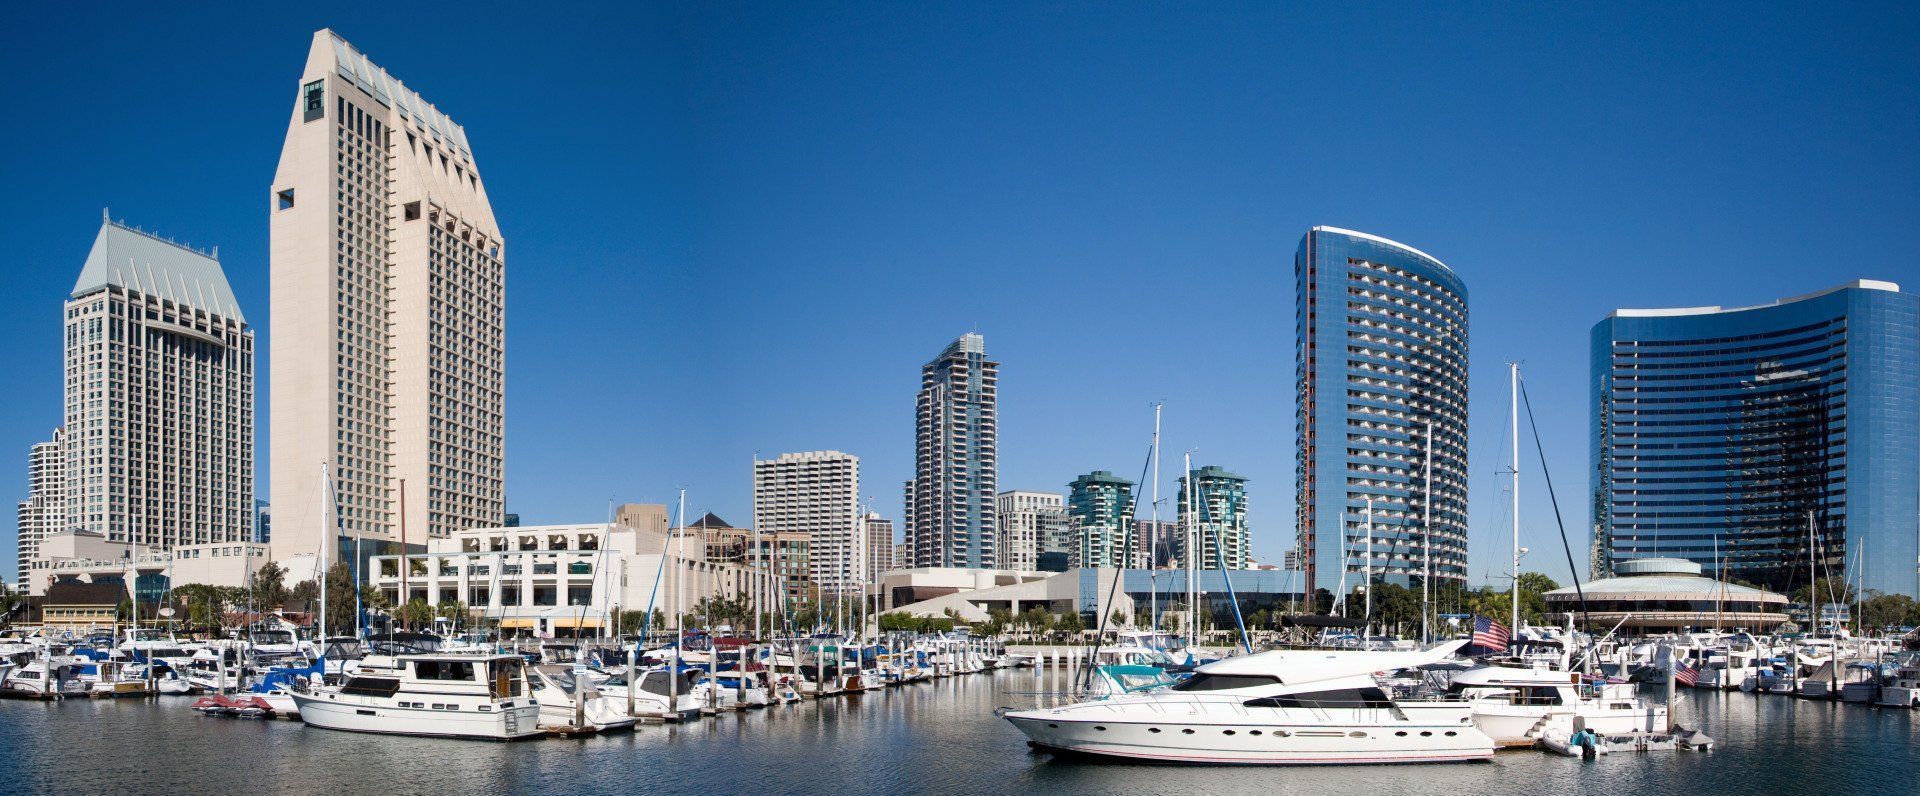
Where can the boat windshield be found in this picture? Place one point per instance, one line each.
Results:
(276, 637)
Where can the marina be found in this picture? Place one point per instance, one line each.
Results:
(905, 739)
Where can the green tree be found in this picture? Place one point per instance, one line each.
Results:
(1117, 619)
(417, 614)
(1879, 611)
(304, 595)
(269, 586)
(1071, 622)
(340, 599)
(453, 611)
(1824, 591)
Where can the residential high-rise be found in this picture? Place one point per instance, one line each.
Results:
(1100, 506)
(159, 396)
(1031, 523)
(1381, 389)
(950, 501)
(1753, 440)
(879, 544)
(816, 493)
(389, 314)
(45, 509)
(1219, 514)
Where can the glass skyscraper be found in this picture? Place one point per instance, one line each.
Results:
(1381, 391)
(956, 445)
(1760, 440)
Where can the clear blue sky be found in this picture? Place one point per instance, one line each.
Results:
(743, 228)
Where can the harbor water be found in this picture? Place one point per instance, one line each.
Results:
(937, 737)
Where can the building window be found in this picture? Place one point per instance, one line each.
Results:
(314, 96)
(286, 199)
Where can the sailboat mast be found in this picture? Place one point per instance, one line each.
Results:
(320, 564)
(1153, 599)
(1513, 408)
(1366, 612)
(1193, 554)
(759, 585)
(1426, 544)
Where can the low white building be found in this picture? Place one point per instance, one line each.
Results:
(562, 579)
(87, 557)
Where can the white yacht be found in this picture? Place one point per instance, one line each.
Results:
(570, 702)
(1514, 705)
(1285, 707)
(449, 695)
(658, 697)
(1903, 689)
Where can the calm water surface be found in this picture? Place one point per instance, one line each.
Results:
(938, 737)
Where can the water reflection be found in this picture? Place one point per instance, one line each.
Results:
(938, 737)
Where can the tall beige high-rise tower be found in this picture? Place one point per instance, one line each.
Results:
(389, 313)
(159, 396)
(45, 509)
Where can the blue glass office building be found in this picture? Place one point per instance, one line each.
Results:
(1381, 358)
(1759, 440)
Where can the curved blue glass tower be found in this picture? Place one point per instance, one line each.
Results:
(1381, 358)
(1762, 441)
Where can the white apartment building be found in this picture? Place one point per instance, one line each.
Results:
(561, 579)
(816, 493)
(389, 302)
(1031, 523)
(44, 512)
(159, 396)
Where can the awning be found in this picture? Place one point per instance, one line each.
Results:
(575, 622)
(516, 623)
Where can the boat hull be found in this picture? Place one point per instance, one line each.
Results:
(522, 720)
(1168, 738)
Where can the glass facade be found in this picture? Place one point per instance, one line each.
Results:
(1762, 442)
(1381, 383)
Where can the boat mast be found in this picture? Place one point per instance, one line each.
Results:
(1366, 611)
(1513, 400)
(1153, 579)
(320, 564)
(758, 585)
(680, 584)
(1426, 543)
(1193, 555)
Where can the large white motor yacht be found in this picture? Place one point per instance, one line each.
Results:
(1515, 705)
(1286, 707)
(450, 695)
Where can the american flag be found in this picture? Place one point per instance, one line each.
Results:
(1489, 634)
(1684, 674)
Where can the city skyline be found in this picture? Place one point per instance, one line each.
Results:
(579, 434)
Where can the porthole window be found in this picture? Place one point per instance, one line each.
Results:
(1356, 734)
(1153, 729)
(1426, 733)
(1400, 734)
(1054, 726)
(1253, 732)
(1188, 731)
(1451, 733)
(1226, 732)
(1100, 728)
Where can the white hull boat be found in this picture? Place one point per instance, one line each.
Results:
(1289, 707)
(453, 696)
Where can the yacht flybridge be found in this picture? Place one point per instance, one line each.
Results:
(1286, 707)
(448, 695)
